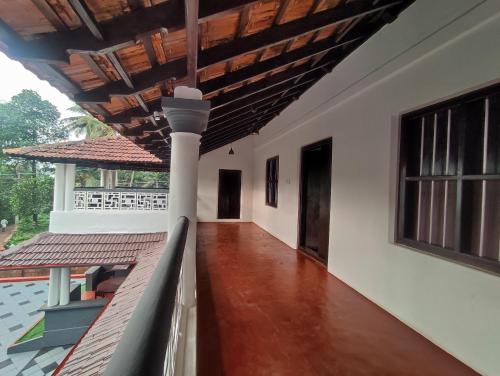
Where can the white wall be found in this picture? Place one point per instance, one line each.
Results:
(108, 221)
(434, 50)
(208, 179)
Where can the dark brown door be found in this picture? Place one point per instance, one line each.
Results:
(229, 194)
(316, 174)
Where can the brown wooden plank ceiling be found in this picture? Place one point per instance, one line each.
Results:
(116, 58)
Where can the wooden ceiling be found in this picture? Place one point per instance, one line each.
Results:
(251, 59)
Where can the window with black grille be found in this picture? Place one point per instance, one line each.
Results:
(449, 188)
(272, 172)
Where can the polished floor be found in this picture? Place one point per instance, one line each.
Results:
(266, 309)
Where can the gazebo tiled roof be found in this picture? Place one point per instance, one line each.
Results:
(106, 152)
(68, 250)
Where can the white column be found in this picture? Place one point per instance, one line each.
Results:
(65, 286)
(59, 181)
(183, 201)
(114, 178)
(54, 287)
(104, 176)
(187, 115)
(69, 187)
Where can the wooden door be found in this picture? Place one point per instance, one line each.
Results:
(229, 194)
(314, 227)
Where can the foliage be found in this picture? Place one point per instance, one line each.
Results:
(32, 196)
(143, 179)
(35, 332)
(27, 119)
(85, 124)
(7, 179)
(26, 229)
(87, 177)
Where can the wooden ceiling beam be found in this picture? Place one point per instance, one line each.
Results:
(115, 61)
(241, 105)
(248, 109)
(95, 68)
(281, 12)
(191, 9)
(248, 126)
(49, 13)
(266, 66)
(142, 81)
(87, 17)
(251, 112)
(279, 79)
(254, 118)
(145, 80)
(289, 30)
(215, 143)
(125, 117)
(137, 130)
(254, 91)
(54, 47)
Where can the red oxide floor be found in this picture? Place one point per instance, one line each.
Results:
(266, 309)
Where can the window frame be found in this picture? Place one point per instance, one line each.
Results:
(455, 254)
(274, 183)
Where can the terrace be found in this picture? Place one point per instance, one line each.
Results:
(334, 171)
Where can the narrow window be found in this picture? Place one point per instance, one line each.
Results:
(272, 172)
(449, 186)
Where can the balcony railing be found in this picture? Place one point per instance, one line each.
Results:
(120, 199)
(149, 343)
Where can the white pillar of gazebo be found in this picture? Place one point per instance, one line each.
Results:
(54, 287)
(187, 115)
(69, 187)
(59, 182)
(64, 185)
(64, 286)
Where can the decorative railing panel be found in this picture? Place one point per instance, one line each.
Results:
(175, 328)
(120, 199)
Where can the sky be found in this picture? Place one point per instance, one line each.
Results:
(14, 78)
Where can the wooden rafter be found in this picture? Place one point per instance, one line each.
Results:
(51, 15)
(191, 16)
(120, 32)
(252, 64)
(293, 29)
(144, 81)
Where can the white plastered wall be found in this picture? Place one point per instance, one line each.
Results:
(434, 50)
(208, 179)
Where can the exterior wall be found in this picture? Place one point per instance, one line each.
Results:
(434, 50)
(108, 222)
(208, 179)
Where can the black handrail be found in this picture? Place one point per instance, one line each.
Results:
(142, 348)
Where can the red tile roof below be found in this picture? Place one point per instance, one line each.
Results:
(106, 152)
(92, 354)
(50, 249)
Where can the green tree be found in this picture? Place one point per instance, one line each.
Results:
(25, 120)
(32, 196)
(85, 124)
(28, 120)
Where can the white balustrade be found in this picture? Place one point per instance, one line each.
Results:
(120, 200)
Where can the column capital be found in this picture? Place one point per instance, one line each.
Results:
(186, 115)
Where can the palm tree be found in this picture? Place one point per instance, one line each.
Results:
(86, 124)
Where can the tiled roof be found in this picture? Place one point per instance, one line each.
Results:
(115, 151)
(50, 249)
(92, 354)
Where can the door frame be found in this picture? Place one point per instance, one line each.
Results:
(303, 149)
(221, 171)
